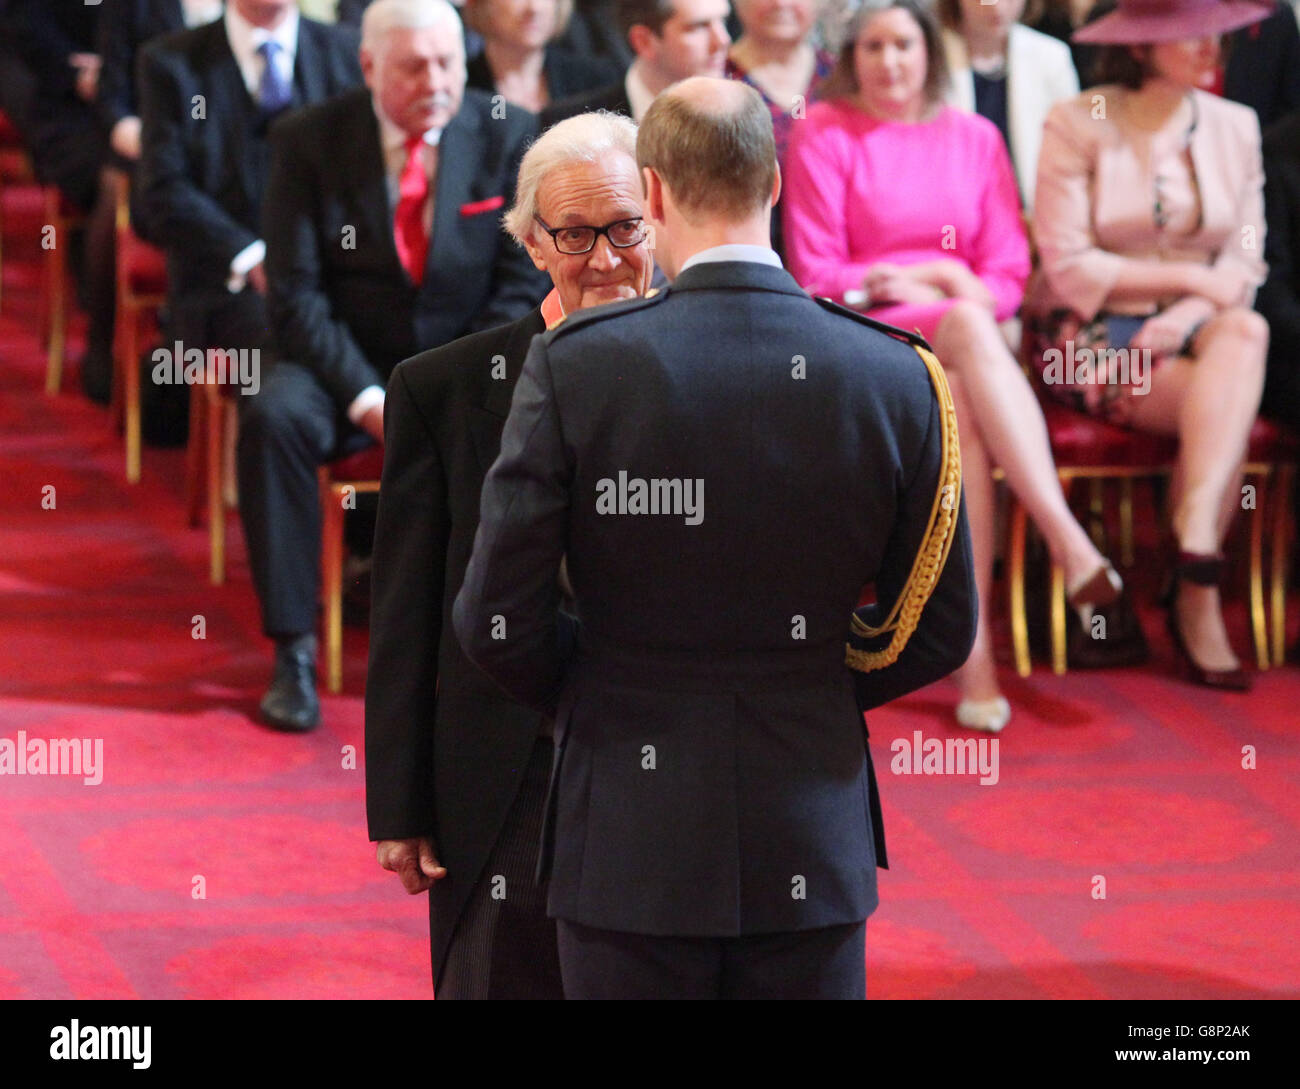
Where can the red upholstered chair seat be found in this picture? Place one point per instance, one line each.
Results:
(1082, 440)
(1272, 442)
(143, 265)
(367, 464)
(9, 138)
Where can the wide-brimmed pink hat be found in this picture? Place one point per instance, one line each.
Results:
(1142, 22)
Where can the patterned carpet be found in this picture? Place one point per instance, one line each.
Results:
(1131, 776)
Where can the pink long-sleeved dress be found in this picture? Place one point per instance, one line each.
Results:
(860, 191)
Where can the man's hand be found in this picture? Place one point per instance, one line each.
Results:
(256, 278)
(413, 861)
(87, 66)
(125, 138)
(372, 423)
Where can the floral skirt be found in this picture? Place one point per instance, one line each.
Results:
(1088, 365)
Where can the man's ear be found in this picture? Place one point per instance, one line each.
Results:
(641, 39)
(367, 59)
(654, 194)
(776, 186)
(535, 251)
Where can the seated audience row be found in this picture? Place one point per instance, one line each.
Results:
(915, 155)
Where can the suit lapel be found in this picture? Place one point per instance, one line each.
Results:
(363, 176)
(460, 152)
(486, 420)
(309, 63)
(233, 98)
(169, 14)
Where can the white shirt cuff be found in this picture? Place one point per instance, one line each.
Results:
(245, 261)
(364, 401)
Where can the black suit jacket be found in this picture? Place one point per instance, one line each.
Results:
(1263, 68)
(340, 301)
(445, 750)
(47, 32)
(350, 11)
(205, 159)
(712, 774)
(612, 97)
(567, 73)
(124, 27)
(1279, 297)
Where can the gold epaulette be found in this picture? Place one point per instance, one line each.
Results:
(933, 551)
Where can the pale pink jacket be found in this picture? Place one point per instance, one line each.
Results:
(1093, 210)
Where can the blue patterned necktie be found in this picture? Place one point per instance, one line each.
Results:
(274, 93)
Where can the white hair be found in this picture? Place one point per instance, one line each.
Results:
(385, 15)
(580, 139)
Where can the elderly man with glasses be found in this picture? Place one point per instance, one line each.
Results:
(456, 772)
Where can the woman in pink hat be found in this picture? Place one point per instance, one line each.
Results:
(1149, 219)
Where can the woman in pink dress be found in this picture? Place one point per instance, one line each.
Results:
(908, 209)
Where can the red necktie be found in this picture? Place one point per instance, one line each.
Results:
(408, 224)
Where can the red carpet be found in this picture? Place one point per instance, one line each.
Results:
(1131, 776)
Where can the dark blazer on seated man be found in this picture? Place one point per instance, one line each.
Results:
(436, 727)
(566, 73)
(344, 311)
(205, 161)
(712, 774)
(124, 27)
(611, 97)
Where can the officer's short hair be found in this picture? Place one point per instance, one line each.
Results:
(721, 160)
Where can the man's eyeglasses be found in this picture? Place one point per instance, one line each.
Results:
(622, 235)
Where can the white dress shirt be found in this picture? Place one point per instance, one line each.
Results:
(200, 12)
(639, 96)
(733, 251)
(245, 41)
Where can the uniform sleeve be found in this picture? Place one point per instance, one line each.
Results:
(946, 630)
(507, 615)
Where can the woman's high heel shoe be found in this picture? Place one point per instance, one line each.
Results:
(1100, 589)
(1199, 569)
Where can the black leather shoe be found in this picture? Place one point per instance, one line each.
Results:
(291, 703)
(97, 375)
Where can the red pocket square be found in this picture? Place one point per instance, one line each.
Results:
(477, 207)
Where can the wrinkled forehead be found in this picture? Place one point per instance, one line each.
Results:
(443, 40)
(590, 192)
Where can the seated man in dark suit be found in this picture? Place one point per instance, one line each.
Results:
(124, 27)
(207, 98)
(723, 467)
(672, 40)
(456, 775)
(57, 40)
(383, 238)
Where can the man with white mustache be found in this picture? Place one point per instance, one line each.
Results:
(383, 239)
